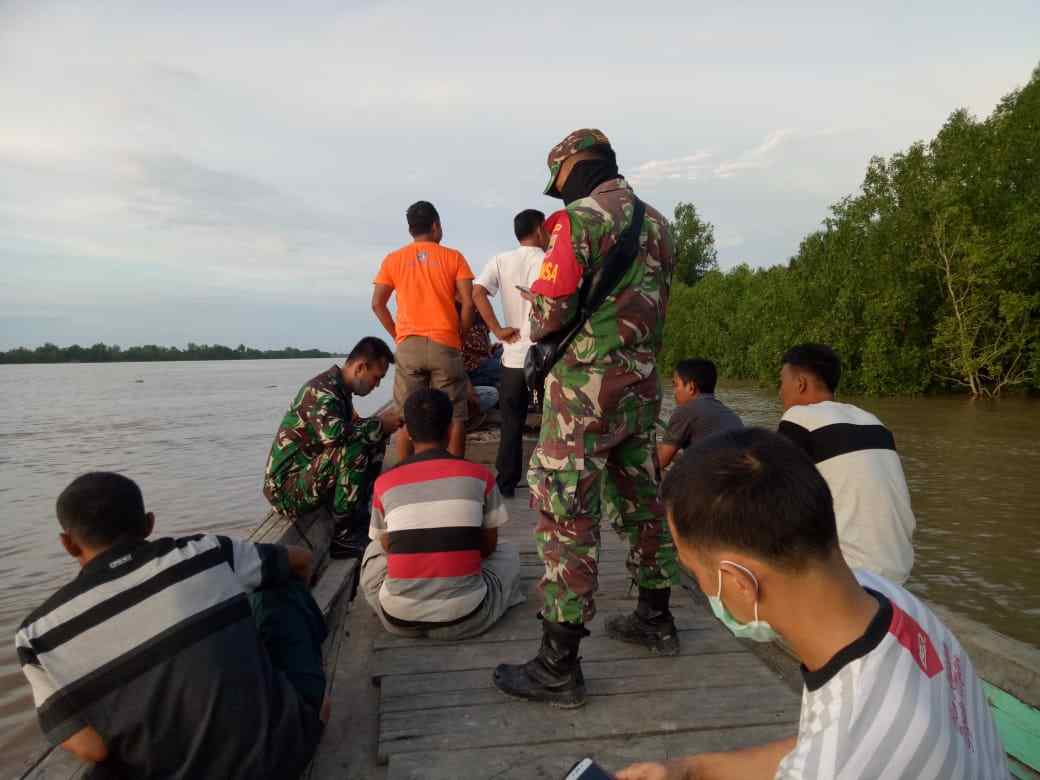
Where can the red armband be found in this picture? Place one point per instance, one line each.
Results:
(561, 273)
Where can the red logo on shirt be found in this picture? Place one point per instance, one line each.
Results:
(958, 698)
(911, 636)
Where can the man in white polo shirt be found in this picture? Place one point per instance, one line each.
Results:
(857, 456)
(506, 273)
(889, 692)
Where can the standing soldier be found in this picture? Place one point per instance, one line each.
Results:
(596, 455)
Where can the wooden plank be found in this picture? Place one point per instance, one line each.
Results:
(312, 530)
(508, 723)
(522, 762)
(404, 660)
(335, 612)
(455, 710)
(55, 764)
(1018, 725)
(348, 747)
(263, 529)
(521, 623)
(337, 579)
(401, 693)
(1020, 771)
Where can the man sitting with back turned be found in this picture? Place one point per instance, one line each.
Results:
(889, 692)
(324, 454)
(857, 456)
(155, 661)
(698, 413)
(435, 567)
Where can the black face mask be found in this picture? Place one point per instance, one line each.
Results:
(585, 176)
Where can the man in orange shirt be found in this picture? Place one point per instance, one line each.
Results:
(427, 277)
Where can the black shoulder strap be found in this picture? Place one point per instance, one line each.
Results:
(617, 262)
(597, 286)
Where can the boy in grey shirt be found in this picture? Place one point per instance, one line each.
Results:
(698, 413)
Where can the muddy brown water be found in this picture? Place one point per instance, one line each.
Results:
(195, 436)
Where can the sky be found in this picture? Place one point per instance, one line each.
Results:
(235, 172)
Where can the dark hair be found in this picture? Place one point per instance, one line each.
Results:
(818, 359)
(699, 370)
(101, 507)
(427, 413)
(754, 491)
(371, 350)
(421, 216)
(527, 222)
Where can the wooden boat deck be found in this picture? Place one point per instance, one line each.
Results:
(406, 708)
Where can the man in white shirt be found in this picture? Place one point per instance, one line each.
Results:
(507, 273)
(889, 691)
(857, 456)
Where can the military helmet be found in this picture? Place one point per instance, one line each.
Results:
(577, 141)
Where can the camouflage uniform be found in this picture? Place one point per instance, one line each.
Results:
(596, 455)
(322, 450)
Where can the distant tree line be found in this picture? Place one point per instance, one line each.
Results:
(103, 353)
(928, 279)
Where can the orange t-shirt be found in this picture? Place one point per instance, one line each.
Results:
(423, 274)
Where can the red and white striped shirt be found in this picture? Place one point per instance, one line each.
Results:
(434, 507)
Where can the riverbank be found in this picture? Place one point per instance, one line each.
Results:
(50, 354)
(924, 278)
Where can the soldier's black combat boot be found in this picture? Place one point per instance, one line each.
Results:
(554, 675)
(349, 534)
(651, 625)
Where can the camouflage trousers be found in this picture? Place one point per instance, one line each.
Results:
(341, 474)
(620, 484)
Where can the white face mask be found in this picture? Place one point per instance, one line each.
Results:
(757, 630)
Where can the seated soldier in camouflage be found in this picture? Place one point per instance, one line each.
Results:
(324, 454)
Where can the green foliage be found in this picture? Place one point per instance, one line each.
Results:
(927, 279)
(102, 353)
(695, 253)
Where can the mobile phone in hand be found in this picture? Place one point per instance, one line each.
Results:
(587, 769)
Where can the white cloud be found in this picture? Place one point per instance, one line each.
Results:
(689, 167)
(760, 156)
(702, 164)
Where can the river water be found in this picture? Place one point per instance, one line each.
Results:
(195, 436)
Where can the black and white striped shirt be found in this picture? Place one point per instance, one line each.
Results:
(857, 457)
(901, 703)
(155, 647)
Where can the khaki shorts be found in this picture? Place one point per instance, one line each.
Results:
(422, 363)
